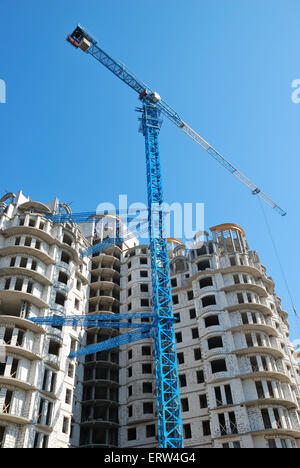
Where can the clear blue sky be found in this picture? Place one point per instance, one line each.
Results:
(226, 66)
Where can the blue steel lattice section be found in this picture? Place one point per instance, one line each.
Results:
(99, 320)
(167, 385)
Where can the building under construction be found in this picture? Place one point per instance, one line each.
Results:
(238, 375)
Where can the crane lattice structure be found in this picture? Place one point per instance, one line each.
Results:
(162, 327)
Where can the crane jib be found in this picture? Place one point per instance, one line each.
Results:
(83, 39)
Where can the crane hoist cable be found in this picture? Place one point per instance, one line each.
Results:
(278, 259)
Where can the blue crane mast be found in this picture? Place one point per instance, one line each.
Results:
(162, 326)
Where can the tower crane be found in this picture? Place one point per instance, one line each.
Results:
(162, 327)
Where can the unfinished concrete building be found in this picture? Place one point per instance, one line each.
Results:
(41, 273)
(239, 379)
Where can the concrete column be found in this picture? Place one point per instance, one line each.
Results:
(277, 390)
(254, 339)
(269, 363)
(26, 220)
(265, 388)
(272, 418)
(223, 394)
(282, 418)
(259, 363)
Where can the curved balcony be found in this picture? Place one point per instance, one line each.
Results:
(52, 360)
(104, 284)
(286, 403)
(259, 290)
(13, 296)
(23, 352)
(249, 306)
(214, 352)
(30, 251)
(105, 402)
(105, 271)
(276, 432)
(33, 231)
(103, 299)
(94, 380)
(38, 207)
(14, 419)
(104, 363)
(259, 327)
(66, 267)
(209, 308)
(15, 271)
(275, 352)
(114, 250)
(253, 270)
(269, 374)
(61, 287)
(103, 422)
(21, 384)
(108, 259)
(282, 312)
(212, 330)
(22, 323)
(44, 427)
(55, 333)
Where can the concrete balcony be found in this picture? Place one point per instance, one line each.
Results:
(276, 432)
(271, 350)
(29, 230)
(251, 268)
(17, 383)
(104, 283)
(17, 271)
(105, 300)
(287, 403)
(249, 306)
(259, 290)
(100, 422)
(106, 259)
(209, 308)
(41, 254)
(53, 361)
(260, 374)
(215, 352)
(31, 355)
(259, 327)
(12, 296)
(55, 333)
(14, 419)
(22, 323)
